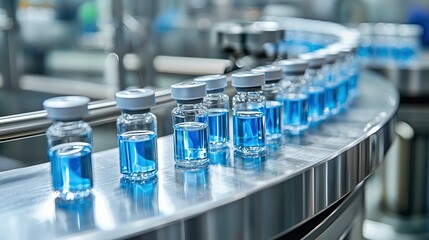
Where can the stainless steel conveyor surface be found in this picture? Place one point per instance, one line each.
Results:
(233, 198)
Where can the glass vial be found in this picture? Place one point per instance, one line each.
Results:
(354, 69)
(317, 110)
(343, 74)
(271, 91)
(190, 124)
(217, 104)
(137, 134)
(248, 112)
(294, 97)
(330, 70)
(69, 146)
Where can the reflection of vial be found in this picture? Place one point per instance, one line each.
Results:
(74, 216)
(317, 110)
(273, 75)
(294, 97)
(195, 182)
(331, 86)
(137, 134)
(190, 124)
(217, 104)
(248, 113)
(254, 163)
(69, 146)
(220, 157)
(143, 197)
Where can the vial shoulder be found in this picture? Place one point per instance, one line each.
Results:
(248, 97)
(200, 110)
(216, 101)
(64, 129)
(137, 118)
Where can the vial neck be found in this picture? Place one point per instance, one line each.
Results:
(295, 74)
(214, 95)
(67, 122)
(270, 85)
(215, 92)
(249, 89)
(190, 104)
(313, 71)
(134, 112)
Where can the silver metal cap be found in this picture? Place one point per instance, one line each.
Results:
(67, 107)
(213, 82)
(331, 54)
(410, 30)
(314, 60)
(188, 90)
(293, 66)
(272, 73)
(135, 99)
(248, 79)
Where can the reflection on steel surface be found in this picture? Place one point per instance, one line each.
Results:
(232, 199)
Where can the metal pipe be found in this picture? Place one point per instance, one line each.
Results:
(35, 123)
(406, 177)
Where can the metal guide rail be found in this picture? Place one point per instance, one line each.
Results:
(234, 198)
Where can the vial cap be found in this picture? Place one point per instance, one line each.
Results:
(213, 82)
(293, 66)
(188, 90)
(385, 29)
(410, 30)
(366, 28)
(341, 49)
(331, 54)
(248, 79)
(272, 73)
(135, 99)
(314, 60)
(66, 107)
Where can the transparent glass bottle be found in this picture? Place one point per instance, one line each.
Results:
(330, 71)
(248, 111)
(217, 104)
(69, 146)
(137, 134)
(294, 97)
(343, 74)
(317, 110)
(190, 124)
(271, 91)
(354, 62)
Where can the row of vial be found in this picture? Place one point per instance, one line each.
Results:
(271, 101)
(390, 43)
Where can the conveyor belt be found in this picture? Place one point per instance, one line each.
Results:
(232, 199)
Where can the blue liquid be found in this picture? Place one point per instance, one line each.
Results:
(353, 85)
(331, 98)
(220, 156)
(71, 169)
(295, 113)
(138, 154)
(191, 143)
(249, 131)
(316, 103)
(342, 93)
(273, 121)
(405, 53)
(365, 51)
(382, 52)
(218, 126)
